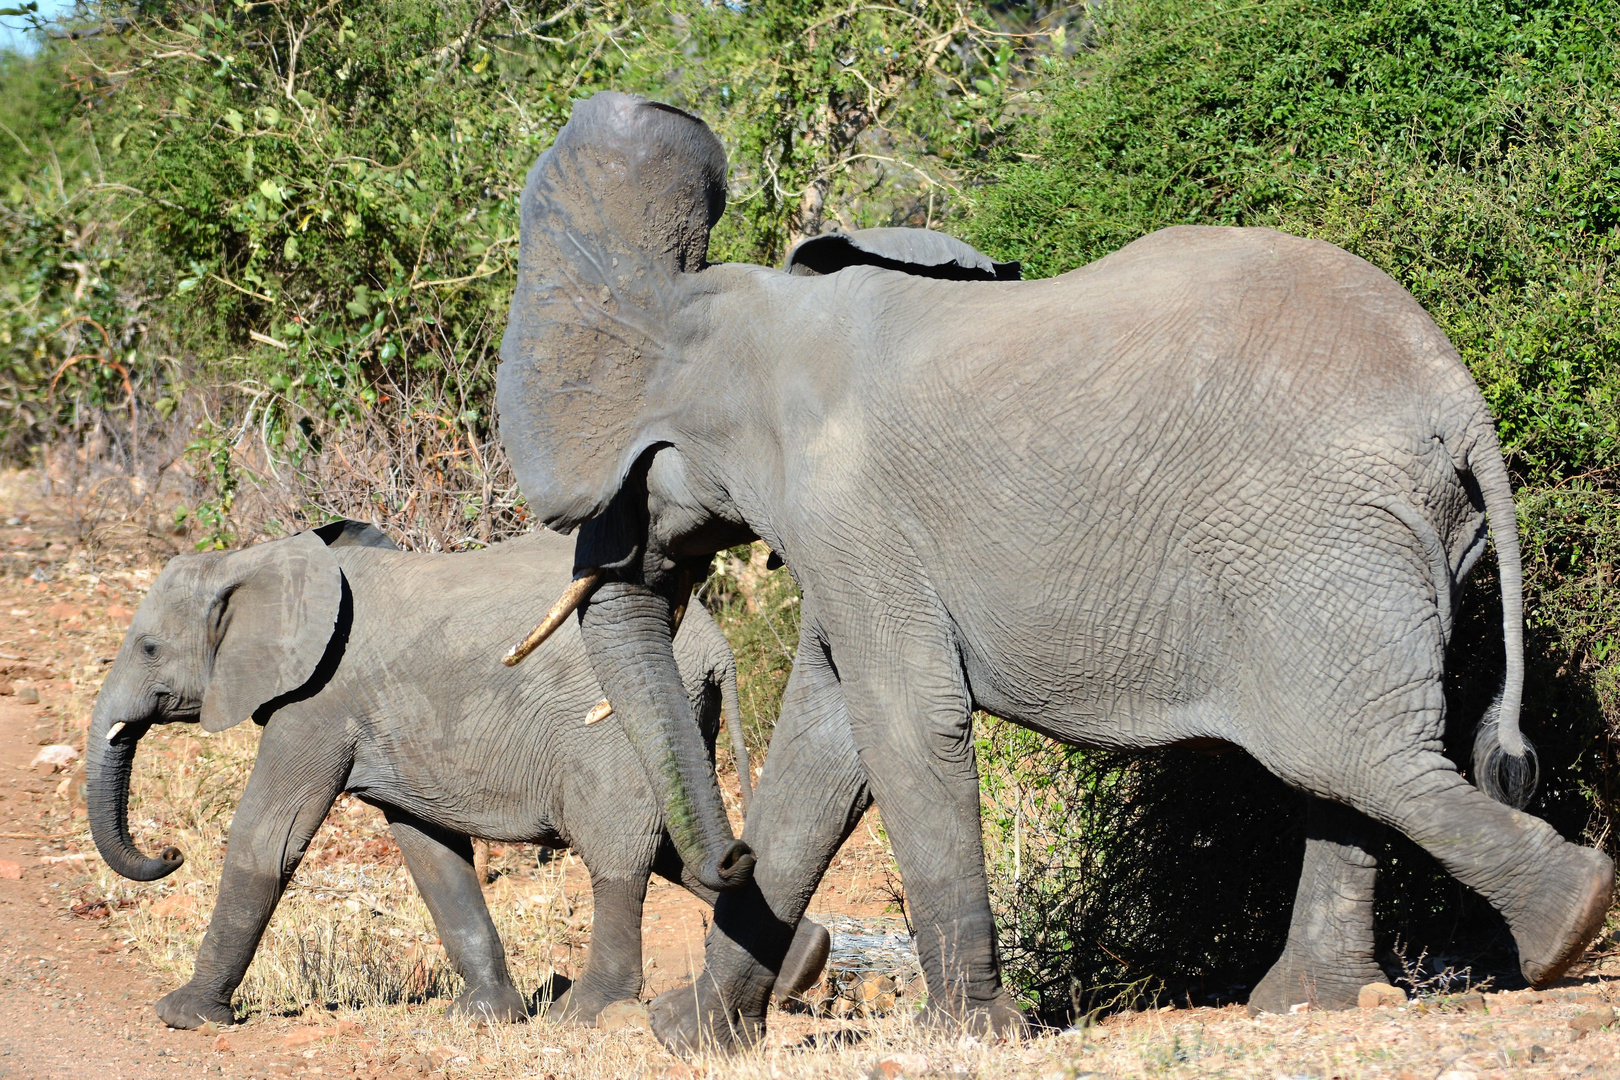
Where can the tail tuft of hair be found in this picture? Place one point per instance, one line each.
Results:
(1508, 778)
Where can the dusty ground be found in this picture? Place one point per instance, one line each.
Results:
(84, 955)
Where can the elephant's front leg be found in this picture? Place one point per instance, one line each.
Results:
(912, 722)
(613, 965)
(294, 782)
(810, 796)
(441, 864)
(1329, 956)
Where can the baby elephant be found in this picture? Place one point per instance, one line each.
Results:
(378, 672)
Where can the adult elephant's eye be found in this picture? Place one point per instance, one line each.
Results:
(149, 648)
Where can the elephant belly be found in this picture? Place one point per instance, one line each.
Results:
(1107, 665)
(479, 805)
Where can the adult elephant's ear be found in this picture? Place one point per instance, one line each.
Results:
(922, 252)
(615, 222)
(347, 533)
(274, 613)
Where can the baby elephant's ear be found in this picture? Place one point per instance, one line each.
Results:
(347, 533)
(921, 252)
(271, 621)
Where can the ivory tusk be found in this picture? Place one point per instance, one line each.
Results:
(573, 596)
(112, 732)
(600, 711)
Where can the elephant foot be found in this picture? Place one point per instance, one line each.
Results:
(694, 1018)
(581, 1003)
(497, 1003)
(805, 960)
(1000, 1017)
(1566, 914)
(1305, 980)
(192, 1007)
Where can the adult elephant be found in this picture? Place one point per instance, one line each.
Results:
(1219, 487)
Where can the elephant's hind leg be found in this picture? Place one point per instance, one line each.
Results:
(441, 863)
(1329, 956)
(1384, 686)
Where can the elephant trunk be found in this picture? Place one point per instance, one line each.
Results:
(628, 634)
(108, 764)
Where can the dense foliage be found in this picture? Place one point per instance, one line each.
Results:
(281, 235)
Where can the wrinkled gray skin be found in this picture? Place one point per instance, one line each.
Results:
(378, 672)
(1218, 488)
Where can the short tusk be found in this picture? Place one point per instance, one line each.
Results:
(577, 592)
(599, 712)
(112, 732)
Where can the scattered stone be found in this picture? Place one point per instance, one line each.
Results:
(1537, 1053)
(73, 861)
(1301, 1007)
(56, 755)
(27, 695)
(623, 1015)
(10, 870)
(222, 1044)
(440, 1056)
(349, 1027)
(301, 1037)
(1376, 995)
(899, 1065)
(176, 905)
(1588, 1022)
(6, 688)
(1471, 1003)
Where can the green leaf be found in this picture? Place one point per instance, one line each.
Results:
(272, 191)
(234, 120)
(289, 250)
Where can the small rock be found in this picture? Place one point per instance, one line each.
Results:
(27, 695)
(222, 1044)
(912, 1065)
(10, 870)
(301, 1037)
(1537, 1053)
(56, 754)
(1457, 1074)
(349, 1027)
(1588, 1022)
(440, 1056)
(6, 688)
(622, 1015)
(182, 905)
(1302, 1007)
(1472, 1003)
(1374, 995)
(874, 986)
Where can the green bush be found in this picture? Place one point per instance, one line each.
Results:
(1470, 150)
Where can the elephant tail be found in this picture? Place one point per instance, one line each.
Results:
(1505, 764)
(734, 724)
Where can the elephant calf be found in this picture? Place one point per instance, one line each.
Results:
(376, 671)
